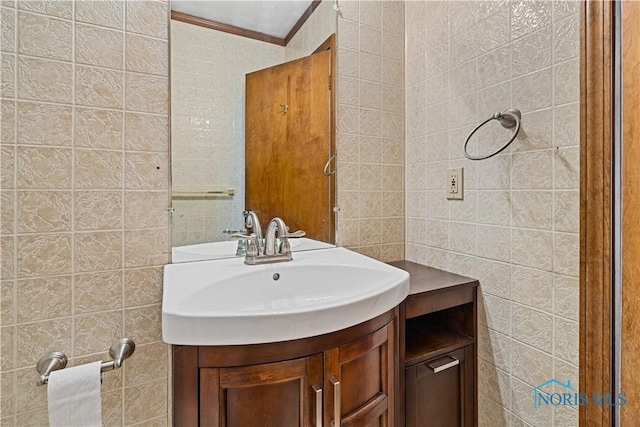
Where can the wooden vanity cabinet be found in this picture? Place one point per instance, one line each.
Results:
(309, 382)
(438, 349)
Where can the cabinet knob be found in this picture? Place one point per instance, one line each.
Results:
(443, 364)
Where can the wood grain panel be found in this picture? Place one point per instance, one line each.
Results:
(286, 148)
(630, 363)
(595, 211)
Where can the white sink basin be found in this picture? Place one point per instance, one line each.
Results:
(227, 249)
(225, 302)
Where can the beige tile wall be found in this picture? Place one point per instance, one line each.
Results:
(517, 228)
(370, 128)
(85, 178)
(320, 25)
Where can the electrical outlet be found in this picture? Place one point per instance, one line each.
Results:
(455, 184)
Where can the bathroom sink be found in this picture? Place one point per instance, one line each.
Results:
(226, 302)
(227, 249)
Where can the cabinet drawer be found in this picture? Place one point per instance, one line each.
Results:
(439, 392)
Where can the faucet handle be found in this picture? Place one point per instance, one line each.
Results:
(252, 248)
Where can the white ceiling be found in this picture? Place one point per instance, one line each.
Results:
(273, 17)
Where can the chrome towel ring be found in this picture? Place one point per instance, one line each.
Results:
(508, 119)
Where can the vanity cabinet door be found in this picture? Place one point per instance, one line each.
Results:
(439, 392)
(281, 394)
(359, 381)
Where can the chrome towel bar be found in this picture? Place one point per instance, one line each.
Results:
(203, 193)
(508, 119)
(119, 350)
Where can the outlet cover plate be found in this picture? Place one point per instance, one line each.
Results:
(455, 184)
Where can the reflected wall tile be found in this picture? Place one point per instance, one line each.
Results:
(98, 169)
(371, 40)
(106, 13)
(349, 34)
(494, 173)
(97, 46)
(438, 234)
(98, 251)
(392, 72)
(350, 60)
(97, 210)
(44, 80)
(43, 298)
(34, 249)
(97, 291)
(143, 286)
(44, 124)
(45, 36)
(43, 211)
(392, 252)
(98, 87)
(146, 93)
(35, 339)
(491, 31)
(95, 332)
(370, 204)
(7, 395)
(393, 151)
(537, 131)
(147, 55)
(98, 128)
(491, 413)
(348, 232)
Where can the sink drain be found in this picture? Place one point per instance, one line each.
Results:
(276, 276)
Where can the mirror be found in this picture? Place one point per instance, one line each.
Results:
(208, 69)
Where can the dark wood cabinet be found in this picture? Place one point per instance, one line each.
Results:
(266, 395)
(349, 375)
(360, 376)
(439, 392)
(438, 346)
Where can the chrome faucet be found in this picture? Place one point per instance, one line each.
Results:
(272, 252)
(252, 224)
